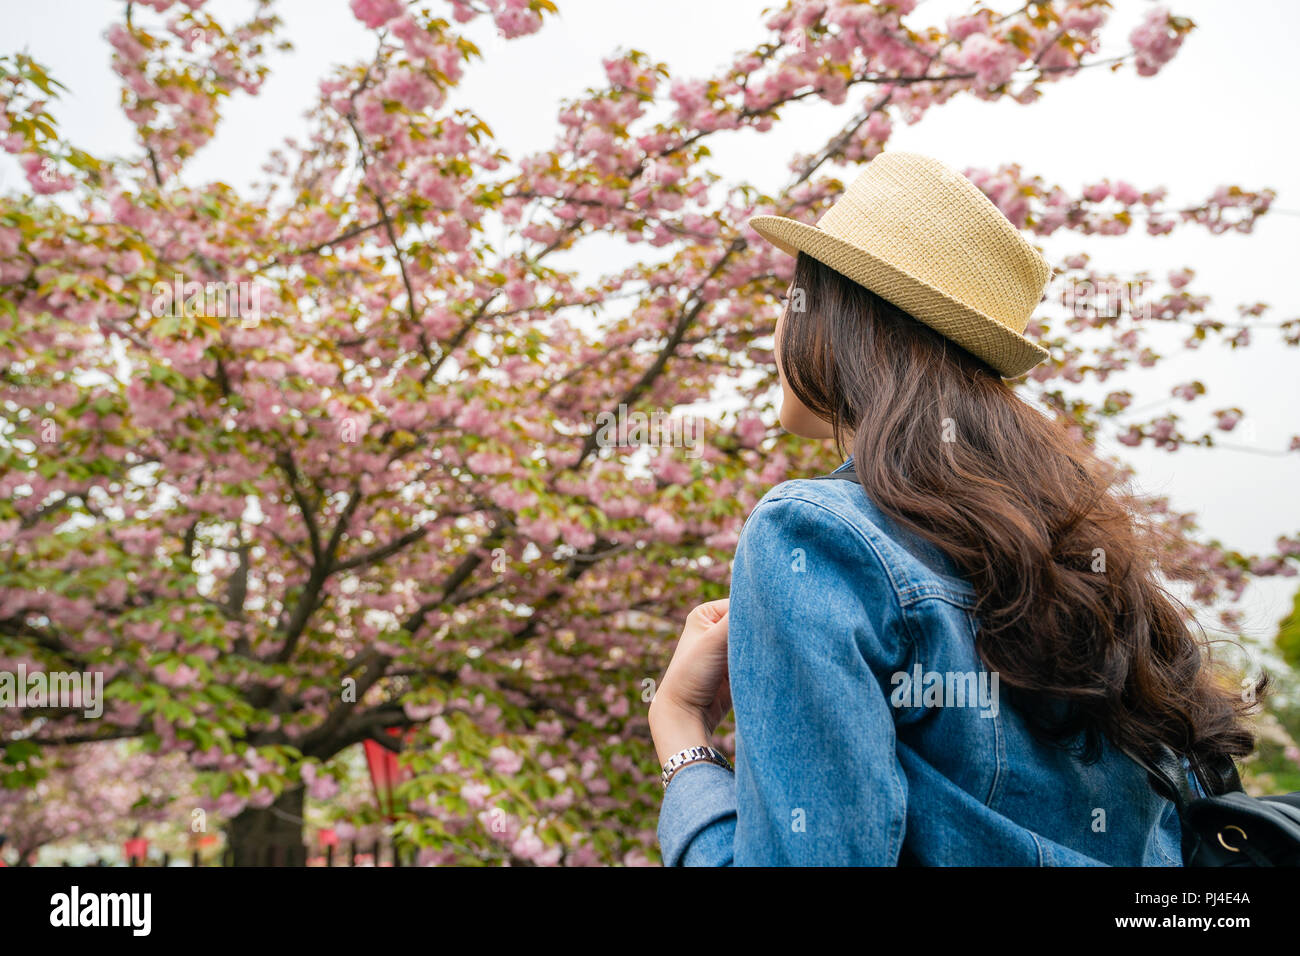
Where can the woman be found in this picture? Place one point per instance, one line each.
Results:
(945, 660)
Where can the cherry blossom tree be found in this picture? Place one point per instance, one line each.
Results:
(92, 792)
(299, 464)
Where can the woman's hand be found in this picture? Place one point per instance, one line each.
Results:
(695, 693)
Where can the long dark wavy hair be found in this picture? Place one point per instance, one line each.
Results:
(1024, 509)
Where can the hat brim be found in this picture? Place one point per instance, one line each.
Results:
(1006, 350)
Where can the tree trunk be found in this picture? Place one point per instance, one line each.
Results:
(267, 837)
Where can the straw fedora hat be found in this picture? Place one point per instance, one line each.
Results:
(924, 237)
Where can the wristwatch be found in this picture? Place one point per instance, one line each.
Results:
(693, 755)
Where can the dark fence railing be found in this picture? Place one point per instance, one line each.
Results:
(353, 854)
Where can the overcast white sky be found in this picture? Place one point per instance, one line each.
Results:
(1222, 112)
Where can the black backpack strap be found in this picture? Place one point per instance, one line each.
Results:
(1215, 778)
(1219, 777)
(1167, 776)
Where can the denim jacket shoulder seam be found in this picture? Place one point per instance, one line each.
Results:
(842, 519)
(793, 495)
(907, 592)
(939, 591)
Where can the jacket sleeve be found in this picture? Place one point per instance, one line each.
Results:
(697, 822)
(817, 778)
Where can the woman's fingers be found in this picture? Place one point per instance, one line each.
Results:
(699, 664)
(717, 631)
(715, 610)
(708, 613)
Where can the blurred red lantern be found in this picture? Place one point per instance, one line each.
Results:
(136, 848)
(328, 837)
(385, 771)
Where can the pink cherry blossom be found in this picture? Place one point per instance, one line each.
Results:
(376, 13)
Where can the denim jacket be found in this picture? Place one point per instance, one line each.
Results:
(868, 731)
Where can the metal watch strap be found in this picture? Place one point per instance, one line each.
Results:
(693, 755)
